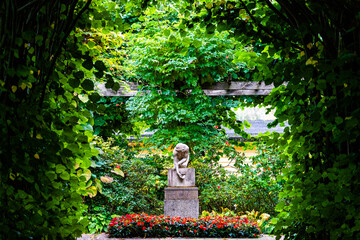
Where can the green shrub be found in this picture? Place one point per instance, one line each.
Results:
(128, 185)
(253, 186)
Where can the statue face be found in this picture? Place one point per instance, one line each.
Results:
(180, 147)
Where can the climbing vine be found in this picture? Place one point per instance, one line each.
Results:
(312, 45)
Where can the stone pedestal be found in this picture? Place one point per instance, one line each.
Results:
(181, 197)
(175, 181)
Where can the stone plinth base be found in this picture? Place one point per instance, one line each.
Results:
(181, 197)
(183, 193)
(175, 181)
(182, 208)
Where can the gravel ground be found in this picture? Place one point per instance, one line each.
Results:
(104, 236)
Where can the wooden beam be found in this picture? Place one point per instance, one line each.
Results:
(245, 92)
(218, 89)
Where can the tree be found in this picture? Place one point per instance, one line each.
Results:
(46, 137)
(314, 45)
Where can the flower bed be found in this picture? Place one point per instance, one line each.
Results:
(143, 225)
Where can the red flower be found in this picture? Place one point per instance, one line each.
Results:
(117, 166)
(138, 223)
(227, 56)
(111, 69)
(144, 228)
(216, 127)
(218, 187)
(195, 231)
(117, 104)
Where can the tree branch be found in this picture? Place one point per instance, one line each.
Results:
(277, 12)
(263, 28)
(58, 51)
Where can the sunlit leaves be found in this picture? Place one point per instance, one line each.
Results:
(106, 179)
(117, 171)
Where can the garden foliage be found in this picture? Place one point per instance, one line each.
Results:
(314, 47)
(48, 67)
(45, 140)
(53, 53)
(143, 225)
(253, 186)
(127, 184)
(172, 67)
(141, 184)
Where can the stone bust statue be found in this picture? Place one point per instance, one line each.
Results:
(181, 158)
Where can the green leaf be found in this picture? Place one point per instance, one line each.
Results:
(79, 74)
(197, 43)
(99, 65)
(87, 174)
(95, 97)
(321, 84)
(99, 74)
(338, 120)
(88, 85)
(280, 206)
(88, 64)
(167, 32)
(117, 171)
(65, 176)
(109, 83)
(83, 97)
(60, 168)
(116, 86)
(210, 28)
(74, 82)
(172, 38)
(91, 44)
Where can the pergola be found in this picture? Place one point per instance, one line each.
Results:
(217, 89)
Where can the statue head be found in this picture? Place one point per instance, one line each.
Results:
(180, 147)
